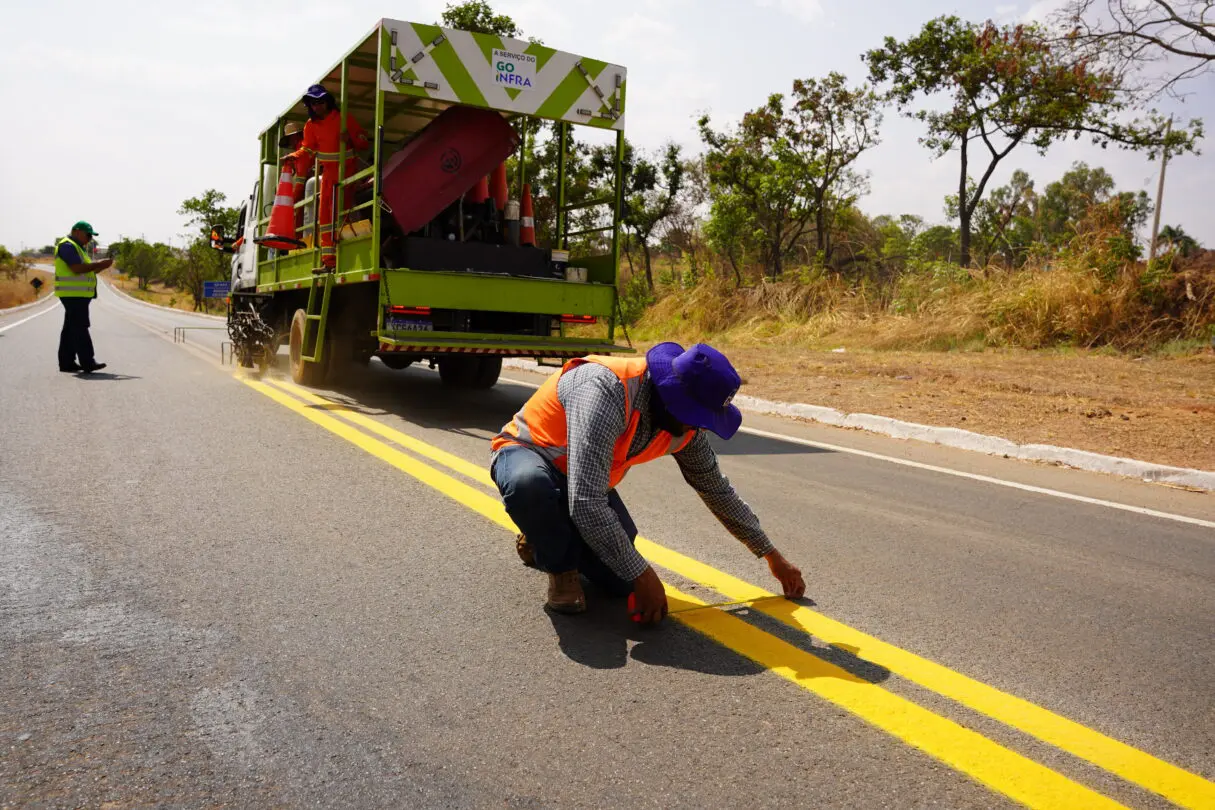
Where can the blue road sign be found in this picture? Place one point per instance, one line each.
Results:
(216, 289)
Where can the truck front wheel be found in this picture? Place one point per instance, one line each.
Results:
(475, 372)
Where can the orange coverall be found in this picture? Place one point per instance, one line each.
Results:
(322, 143)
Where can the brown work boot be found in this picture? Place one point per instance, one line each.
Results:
(524, 550)
(565, 593)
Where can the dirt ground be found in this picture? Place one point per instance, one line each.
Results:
(1159, 408)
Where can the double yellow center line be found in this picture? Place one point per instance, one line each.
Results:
(990, 763)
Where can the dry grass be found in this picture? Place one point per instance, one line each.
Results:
(17, 291)
(1100, 357)
(948, 309)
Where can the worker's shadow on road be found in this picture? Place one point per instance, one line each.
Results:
(601, 639)
(103, 375)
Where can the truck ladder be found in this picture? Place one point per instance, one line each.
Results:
(321, 278)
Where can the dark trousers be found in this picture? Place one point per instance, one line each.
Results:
(537, 499)
(74, 340)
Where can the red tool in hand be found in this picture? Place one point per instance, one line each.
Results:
(633, 614)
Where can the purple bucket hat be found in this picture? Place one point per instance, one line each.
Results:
(697, 386)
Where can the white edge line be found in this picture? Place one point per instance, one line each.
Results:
(23, 320)
(987, 479)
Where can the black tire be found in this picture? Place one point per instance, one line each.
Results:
(472, 373)
(396, 362)
(303, 372)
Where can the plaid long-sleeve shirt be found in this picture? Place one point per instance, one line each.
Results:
(593, 399)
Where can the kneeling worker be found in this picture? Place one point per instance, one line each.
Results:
(558, 462)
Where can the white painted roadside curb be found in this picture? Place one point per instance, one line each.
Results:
(135, 300)
(961, 439)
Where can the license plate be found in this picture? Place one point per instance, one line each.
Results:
(402, 325)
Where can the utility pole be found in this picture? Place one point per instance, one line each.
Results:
(1164, 162)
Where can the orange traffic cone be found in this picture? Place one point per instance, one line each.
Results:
(280, 233)
(478, 193)
(527, 220)
(497, 186)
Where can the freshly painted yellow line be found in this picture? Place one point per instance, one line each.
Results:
(1175, 784)
(999, 768)
(476, 472)
(457, 490)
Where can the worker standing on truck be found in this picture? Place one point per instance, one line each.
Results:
(322, 143)
(76, 287)
(558, 462)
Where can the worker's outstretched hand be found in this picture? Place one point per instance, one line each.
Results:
(790, 575)
(651, 597)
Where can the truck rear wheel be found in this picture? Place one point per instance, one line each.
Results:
(476, 372)
(303, 372)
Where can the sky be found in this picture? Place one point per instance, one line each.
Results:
(121, 110)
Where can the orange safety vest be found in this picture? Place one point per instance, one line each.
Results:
(540, 424)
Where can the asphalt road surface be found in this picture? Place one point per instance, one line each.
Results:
(223, 591)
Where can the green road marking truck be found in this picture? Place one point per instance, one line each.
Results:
(426, 270)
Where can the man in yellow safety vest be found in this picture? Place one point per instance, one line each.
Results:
(76, 287)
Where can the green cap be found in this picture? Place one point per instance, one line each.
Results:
(84, 226)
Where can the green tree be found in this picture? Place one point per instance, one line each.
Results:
(732, 229)
(830, 125)
(206, 210)
(143, 261)
(11, 266)
(650, 196)
(940, 243)
(477, 16)
(1003, 221)
(1066, 205)
(685, 232)
(1006, 86)
(200, 263)
(893, 241)
(195, 266)
(1066, 201)
(790, 164)
(1178, 241)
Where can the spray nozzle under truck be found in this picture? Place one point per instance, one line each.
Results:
(426, 271)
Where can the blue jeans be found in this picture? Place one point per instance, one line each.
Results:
(537, 499)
